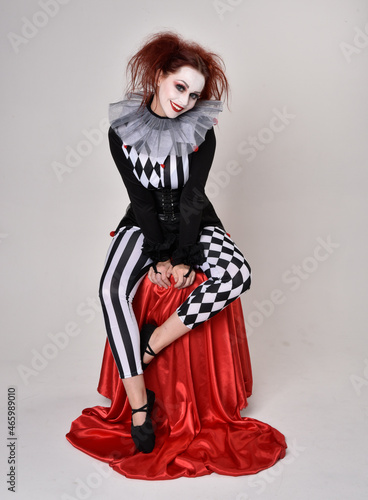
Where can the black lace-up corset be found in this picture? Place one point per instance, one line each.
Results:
(167, 203)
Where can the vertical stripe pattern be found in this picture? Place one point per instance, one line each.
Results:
(125, 267)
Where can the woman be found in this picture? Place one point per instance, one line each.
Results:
(163, 143)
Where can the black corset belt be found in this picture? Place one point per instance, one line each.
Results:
(167, 204)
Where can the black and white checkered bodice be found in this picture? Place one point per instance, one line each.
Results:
(170, 172)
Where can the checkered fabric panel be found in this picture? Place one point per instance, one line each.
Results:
(228, 276)
(155, 173)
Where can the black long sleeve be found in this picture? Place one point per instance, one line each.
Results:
(143, 204)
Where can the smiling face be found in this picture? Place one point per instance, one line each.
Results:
(177, 92)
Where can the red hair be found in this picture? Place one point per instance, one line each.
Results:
(168, 52)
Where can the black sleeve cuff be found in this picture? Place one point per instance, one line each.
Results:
(190, 255)
(159, 252)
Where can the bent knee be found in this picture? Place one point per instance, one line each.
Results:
(243, 277)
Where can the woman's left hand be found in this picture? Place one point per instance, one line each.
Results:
(179, 271)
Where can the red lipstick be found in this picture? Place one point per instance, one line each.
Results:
(176, 108)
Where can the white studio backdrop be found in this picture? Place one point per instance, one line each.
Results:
(289, 180)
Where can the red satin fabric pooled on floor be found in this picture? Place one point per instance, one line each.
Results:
(201, 382)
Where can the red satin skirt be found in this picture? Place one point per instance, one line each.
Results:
(201, 382)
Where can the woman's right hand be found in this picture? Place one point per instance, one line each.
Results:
(162, 277)
(183, 276)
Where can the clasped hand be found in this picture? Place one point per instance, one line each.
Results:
(165, 270)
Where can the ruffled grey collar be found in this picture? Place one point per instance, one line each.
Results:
(159, 136)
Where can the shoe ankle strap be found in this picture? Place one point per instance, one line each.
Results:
(149, 350)
(142, 408)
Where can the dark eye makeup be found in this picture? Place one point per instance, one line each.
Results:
(181, 88)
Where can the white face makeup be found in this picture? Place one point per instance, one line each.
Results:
(178, 92)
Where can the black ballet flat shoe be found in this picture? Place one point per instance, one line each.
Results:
(143, 435)
(146, 334)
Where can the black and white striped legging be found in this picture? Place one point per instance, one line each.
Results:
(228, 276)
